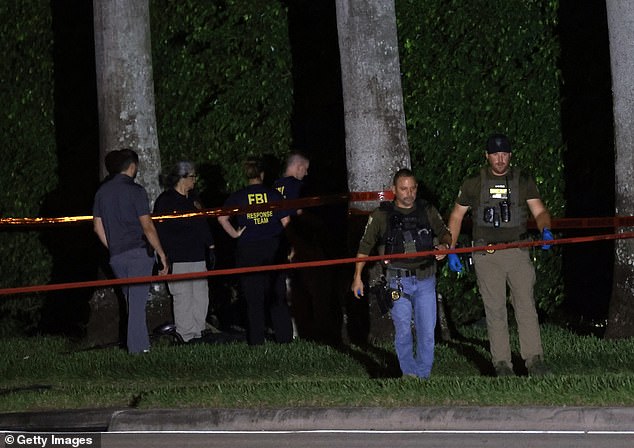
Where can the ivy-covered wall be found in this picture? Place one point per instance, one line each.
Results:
(27, 152)
(222, 74)
(470, 69)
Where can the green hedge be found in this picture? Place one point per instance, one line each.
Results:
(222, 75)
(27, 152)
(471, 68)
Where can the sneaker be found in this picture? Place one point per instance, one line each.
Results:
(503, 369)
(536, 366)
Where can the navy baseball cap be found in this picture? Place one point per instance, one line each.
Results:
(498, 143)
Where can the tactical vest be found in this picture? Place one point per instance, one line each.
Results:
(408, 233)
(496, 194)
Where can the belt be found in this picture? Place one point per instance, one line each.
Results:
(492, 251)
(522, 237)
(400, 272)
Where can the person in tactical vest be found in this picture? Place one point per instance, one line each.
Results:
(407, 225)
(499, 198)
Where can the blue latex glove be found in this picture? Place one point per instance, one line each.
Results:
(454, 263)
(547, 235)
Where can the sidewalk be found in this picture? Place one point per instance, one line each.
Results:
(296, 419)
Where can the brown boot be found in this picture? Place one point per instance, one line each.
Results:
(502, 368)
(536, 366)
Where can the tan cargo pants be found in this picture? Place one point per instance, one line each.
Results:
(494, 271)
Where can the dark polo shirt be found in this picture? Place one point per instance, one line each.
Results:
(119, 203)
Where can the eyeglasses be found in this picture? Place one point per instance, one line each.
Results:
(193, 176)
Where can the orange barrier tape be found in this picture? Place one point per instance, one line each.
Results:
(220, 211)
(306, 264)
(315, 201)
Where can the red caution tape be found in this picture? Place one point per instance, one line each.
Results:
(307, 264)
(564, 223)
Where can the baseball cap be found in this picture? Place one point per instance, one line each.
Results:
(498, 143)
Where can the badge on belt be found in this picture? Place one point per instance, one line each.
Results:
(490, 251)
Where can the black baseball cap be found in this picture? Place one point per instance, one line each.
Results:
(498, 143)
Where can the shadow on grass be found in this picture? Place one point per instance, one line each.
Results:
(472, 348)
(468, 348)
(377, 361)
(32, 388)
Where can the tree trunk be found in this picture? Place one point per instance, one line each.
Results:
(125, 87)
(621, 31)
(127, 119)
(376, 138)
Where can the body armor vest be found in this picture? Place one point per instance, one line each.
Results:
(500, 216)
(408, 233)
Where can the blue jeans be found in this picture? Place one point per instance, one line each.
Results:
(417, 302)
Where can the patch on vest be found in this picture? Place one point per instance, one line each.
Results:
(499, 191)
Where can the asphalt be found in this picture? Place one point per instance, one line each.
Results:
(465, 418)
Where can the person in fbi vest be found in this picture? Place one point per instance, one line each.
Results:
(259, 236)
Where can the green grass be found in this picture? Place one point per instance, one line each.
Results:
(52, 373)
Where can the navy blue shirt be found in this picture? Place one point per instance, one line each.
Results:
(262, 224)
(119, 203)
(290, 187)
(183, 239)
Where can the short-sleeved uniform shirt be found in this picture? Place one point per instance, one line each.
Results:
(290, 187)
(184, 239)
(259, 225)
(469, 196)
(376, 229)
(119, 203)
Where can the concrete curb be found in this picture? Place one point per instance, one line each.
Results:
(87, 420)
(465, 418)
(405, 419)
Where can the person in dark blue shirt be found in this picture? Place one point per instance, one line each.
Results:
(259, 235)
(121, 219)
(292, 183)
(189, 245)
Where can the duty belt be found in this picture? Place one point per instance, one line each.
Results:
(400, 272)
(522, 237)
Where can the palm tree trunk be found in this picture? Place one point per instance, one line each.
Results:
(621, 33)
(125, 87)
(376, 138)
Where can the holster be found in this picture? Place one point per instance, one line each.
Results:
(382, 294)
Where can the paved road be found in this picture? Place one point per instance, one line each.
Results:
(370, 440)
(343, 427)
